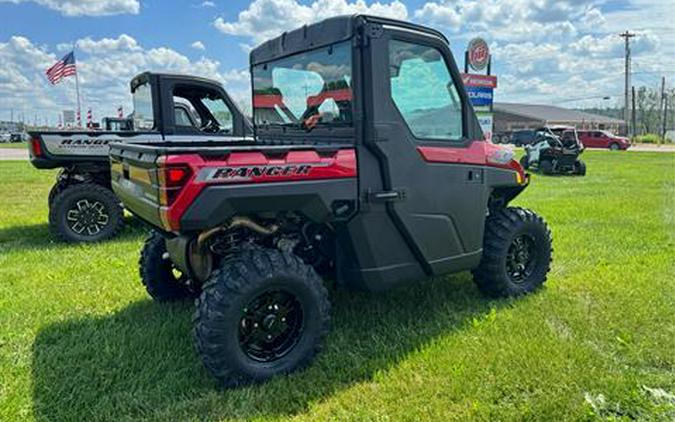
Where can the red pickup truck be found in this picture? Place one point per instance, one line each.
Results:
(603, 139)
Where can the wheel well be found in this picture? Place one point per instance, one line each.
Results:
(501, 196)
(73, 175)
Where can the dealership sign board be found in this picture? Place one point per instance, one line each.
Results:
(485, 81)
(478, 54)
(485, 121)
(479, 96)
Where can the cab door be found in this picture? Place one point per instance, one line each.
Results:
(427, 138)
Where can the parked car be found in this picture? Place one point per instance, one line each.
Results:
(523, 137)
(4, 137)
(16, 137)
(603, 139)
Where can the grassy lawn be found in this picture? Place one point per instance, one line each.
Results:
(13, 145)
(79, 339)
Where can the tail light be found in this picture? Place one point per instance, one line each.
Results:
(172, 179)
(36, 146)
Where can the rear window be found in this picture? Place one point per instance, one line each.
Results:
(308, 89)
(143, 113)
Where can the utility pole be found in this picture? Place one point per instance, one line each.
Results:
(626, 111)
(634, 114)
(665, 117)
(663, 106)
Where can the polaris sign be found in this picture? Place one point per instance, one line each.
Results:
(480, 96)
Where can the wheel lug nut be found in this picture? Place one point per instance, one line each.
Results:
(283, 319)
(269, 337)
(255, 325)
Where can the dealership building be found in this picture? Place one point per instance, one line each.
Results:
(512, 116)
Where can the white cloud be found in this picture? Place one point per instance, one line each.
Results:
(87, 7)
(198, 45)
(265, 19)
(105, 67)
(208, 4)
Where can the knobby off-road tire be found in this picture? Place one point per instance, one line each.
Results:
(580, 168)
(85, 212)
(158, 274)
(263, 313)
(55, 190)
(517, 253)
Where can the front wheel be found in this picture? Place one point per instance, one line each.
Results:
(263, 313)
(161, 279)
(85, 212)
(516, 253)
(614, 147)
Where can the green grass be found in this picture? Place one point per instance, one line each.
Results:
(79, 339)
(13, 145)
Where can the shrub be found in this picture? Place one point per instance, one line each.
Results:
(650, 138)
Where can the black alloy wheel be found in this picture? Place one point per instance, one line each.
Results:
(270, 326)
(87, 217)
(85, 212)
(521, 258)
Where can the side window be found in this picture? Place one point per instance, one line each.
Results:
(182, 117)
(424, 92)
(221, 112)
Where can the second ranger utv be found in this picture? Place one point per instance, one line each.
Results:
(367, 167)
(82, 206)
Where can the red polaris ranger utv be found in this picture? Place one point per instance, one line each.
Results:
(367, 167)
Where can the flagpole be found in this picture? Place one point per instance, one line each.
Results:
(77, 90)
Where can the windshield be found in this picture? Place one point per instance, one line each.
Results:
(305, 90)
(143, 115)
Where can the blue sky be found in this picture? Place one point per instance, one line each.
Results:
(545, 51)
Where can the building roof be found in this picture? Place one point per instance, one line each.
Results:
(550, 113)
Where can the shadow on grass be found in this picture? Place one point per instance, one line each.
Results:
(38, 236)
(139, 362)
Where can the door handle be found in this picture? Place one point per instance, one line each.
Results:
(386, 196)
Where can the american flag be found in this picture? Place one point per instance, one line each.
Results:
(61, 69)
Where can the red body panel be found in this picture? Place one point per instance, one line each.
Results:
(477, 153)
(254, 167)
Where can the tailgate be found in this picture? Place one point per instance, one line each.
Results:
(134, 179)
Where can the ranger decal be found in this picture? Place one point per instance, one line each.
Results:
(257, 172)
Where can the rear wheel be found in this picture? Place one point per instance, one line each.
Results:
(516, 253)
(263, 313)
(55, 190)
(580, 168)
(161, 279)
(85, 212)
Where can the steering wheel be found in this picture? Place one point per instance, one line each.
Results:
(211, 126)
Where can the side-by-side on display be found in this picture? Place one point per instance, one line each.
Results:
(368, 167)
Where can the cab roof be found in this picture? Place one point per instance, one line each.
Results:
(145, 76)
(328, 31)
